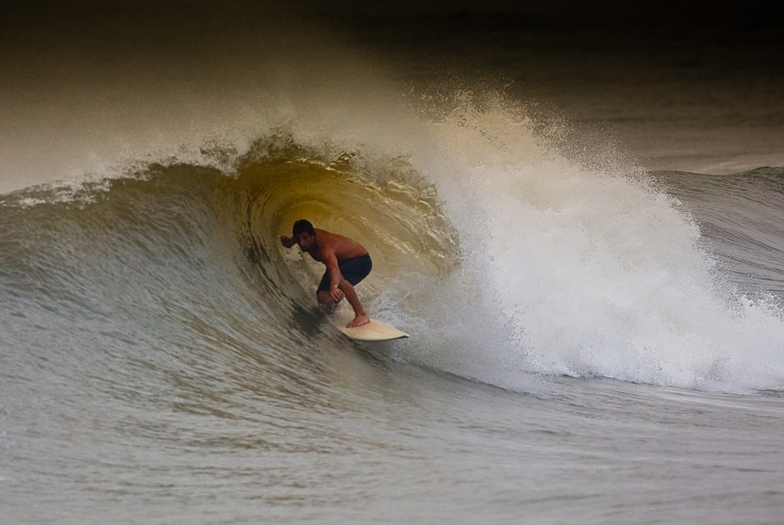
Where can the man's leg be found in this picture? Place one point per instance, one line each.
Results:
(355, 269)
(360, 317)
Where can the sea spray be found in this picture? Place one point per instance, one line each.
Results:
(572, 269)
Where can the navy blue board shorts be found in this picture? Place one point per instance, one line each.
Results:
(353, 270)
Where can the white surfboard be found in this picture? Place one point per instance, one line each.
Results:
(373, 331)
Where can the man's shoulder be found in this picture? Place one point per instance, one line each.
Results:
(326, 240)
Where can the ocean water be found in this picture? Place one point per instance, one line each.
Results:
(576, 212)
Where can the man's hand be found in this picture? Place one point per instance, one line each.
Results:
(337, 294)
(287, 242)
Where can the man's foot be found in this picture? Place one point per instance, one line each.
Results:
(359, 320)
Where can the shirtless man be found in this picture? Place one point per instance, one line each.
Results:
(347, 262)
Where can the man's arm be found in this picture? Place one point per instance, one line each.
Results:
(335, 276)
(287, 242)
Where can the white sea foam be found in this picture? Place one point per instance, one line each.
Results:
(578, 270)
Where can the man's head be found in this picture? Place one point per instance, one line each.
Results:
(304, 234)
(303, 226)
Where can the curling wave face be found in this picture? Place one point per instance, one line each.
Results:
(180, 266)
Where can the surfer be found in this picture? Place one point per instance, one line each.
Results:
(347, 262)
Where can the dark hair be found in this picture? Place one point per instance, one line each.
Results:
(303, 226)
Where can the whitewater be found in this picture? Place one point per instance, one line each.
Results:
(595, 337)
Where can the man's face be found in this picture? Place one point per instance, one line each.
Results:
(305, 240)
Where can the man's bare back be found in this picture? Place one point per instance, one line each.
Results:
(332, 250)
